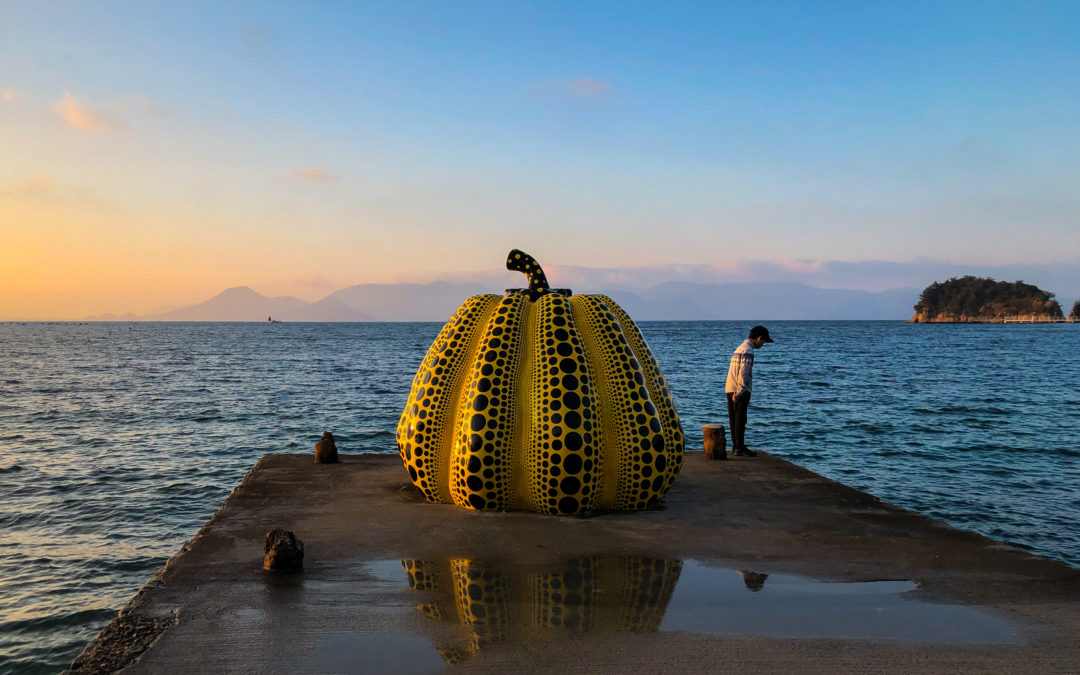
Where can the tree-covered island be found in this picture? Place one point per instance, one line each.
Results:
(972, 299)
(1074, 315)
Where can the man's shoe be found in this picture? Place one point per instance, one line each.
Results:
(743, 452)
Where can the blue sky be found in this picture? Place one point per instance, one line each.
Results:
(233, 143)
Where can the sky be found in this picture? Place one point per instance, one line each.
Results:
(153, 153)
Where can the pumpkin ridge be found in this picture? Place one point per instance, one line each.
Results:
(406, 423)
(674, 438)
(626, 405)
(607, 448)
(481, 459)
(424, 431)
(564, 434)
(525, 421)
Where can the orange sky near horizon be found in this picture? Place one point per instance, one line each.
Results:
(154, 154)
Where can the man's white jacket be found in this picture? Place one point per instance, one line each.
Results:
(740, 372)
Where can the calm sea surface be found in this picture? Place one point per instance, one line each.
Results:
(118, 441)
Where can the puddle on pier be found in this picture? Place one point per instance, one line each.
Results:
(503, 603)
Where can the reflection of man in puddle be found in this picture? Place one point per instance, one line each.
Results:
(755, 581)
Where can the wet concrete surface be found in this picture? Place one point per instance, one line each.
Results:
(752, 565)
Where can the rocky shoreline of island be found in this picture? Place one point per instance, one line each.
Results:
(1022, 318)
(971, 299)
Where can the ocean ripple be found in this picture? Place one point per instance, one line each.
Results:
(118, 441)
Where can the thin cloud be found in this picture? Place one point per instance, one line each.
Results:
(979, 153)
(107, 115)
(36, 185)
(136, 103)
(308, 288)
(84, 116)
(313, 175)
(43, 189)
(578, 88)
(259, 35)
(588, 87)
(868, 275)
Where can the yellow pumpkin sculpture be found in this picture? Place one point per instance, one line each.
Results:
(543, 401)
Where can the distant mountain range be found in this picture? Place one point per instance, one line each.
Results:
(436, 301)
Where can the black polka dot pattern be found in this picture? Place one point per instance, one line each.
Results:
(552, 404)
(435, 578)
(482, 591)
(424, 575)
(568, 597)
(519, 261)
(480, 472)
(674, 439)
(648, 584)
(563, 450)
(425, 431)
(635, 451)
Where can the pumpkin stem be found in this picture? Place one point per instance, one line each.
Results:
(519, 261)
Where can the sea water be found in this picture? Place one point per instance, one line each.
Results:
(119, 440)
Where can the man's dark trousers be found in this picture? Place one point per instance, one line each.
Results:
(736, 412)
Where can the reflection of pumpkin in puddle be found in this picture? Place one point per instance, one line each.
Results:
(544, 401)
(505, 602)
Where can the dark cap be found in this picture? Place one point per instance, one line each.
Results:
(760, 331)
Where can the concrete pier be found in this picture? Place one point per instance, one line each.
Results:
(750, 565)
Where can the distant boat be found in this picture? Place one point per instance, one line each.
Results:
(271, 319)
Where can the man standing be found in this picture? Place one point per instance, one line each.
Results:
(739, 378)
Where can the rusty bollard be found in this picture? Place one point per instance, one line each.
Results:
(326, 450)
(283, 551)
(715, 441)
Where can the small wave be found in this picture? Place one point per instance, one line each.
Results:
(141, 564)
(20, 520)
(375, 433)
(981, 410)
(874, 429)
(1063, 452)
(923, 429)
(58, 620)
(205, 421)
(889, 452)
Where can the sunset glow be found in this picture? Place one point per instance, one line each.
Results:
(151, 157)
